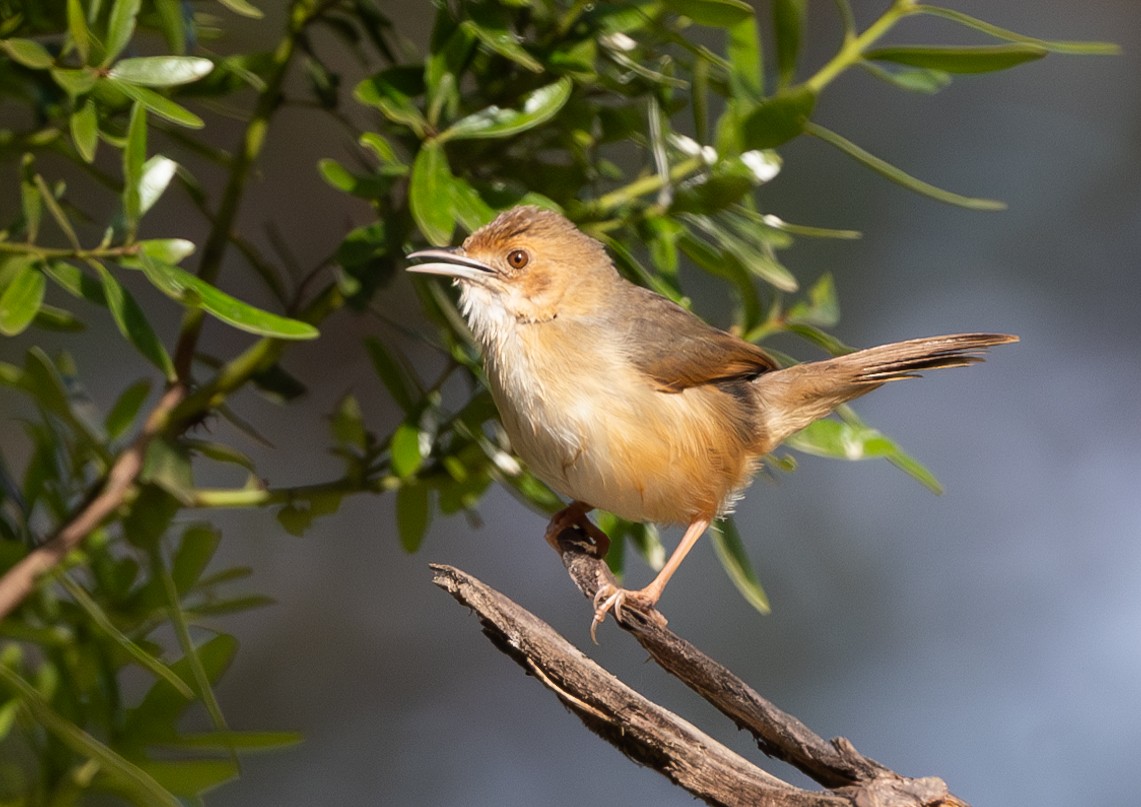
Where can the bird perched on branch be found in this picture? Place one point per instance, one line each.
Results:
(622, 400)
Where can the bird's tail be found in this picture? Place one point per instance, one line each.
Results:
(794, 397)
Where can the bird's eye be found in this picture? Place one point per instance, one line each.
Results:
(518, 258)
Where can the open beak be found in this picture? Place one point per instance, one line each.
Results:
(450, 263)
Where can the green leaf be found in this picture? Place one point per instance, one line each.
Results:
(77, 28)
(788, 29)
(235, 740)
(51, 318)
(731, 552)
(821, 307)
(161, 71)
(28, 52)
(125, 774)
(490, 24)
(180, 285)
(347, 424)
(714, 13)
(134, 154)
(22, 299)
(778, 119)
(129, 318)
(413, 514)
(391, 91)
(746, 77)
(120, 27)
(430, 194)
(406, 448)
(898, 176)
(196, 548)
(84, 125)
(1055, 46)
(126, 408)
(538, 107)
(959, 58)
(167, 465)
(243, 8)
(395, 374)
(468, 206)
(154, 179)
(191, 777)
(75, 82)
(917, 79)
(158, 104)
(852, 439)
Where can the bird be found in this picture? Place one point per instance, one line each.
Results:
(620, 399)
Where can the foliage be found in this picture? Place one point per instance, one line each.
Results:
(652, 124)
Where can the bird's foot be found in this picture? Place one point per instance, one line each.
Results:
(612, 598)
(575, 516)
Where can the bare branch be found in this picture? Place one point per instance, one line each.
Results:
(654, 736)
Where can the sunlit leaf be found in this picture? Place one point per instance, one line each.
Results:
(158, 104)
(407, 455)
(243, 8)
(190, 777)
(77, 29)
(917, 79)
(1055, 46)
(161, 71)
(538, 107)
(153, 181)
(190, 290)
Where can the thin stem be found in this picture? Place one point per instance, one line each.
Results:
(302, 12)
(648, 184)
(853, 48)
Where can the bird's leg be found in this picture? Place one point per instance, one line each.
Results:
(610, 597)
(574, 515)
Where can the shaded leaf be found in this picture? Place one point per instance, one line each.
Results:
(430, 194)
(394, 373)
(84, 127)
(191, 777)
(491, 26)
(120, 27)
(128, 315)
(243, 8)
(788, 29)
(959, 58)
(778, 119)
(731, 552)
(413, 514)
(77, 29)
(195, 550)
(913, 80)
(1055, 46)
(126, 408)
(236, 740)
(27, 52)
(391, 91)
(21, 299)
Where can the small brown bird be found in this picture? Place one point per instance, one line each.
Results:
(622, 400)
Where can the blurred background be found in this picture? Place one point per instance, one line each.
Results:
(990, 636)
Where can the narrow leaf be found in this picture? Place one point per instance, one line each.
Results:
(1055, 46)
(731, 552)
(77, 29)
(158, 104)
(898, 176)
(714, 13)
(243, 8)
(84, 125)
(161, 71)
(132, 321)
(120, 27)
(154, 178)
(430, 194)
(27, 52)
(190, 290)
(413, 513)
(397, 378)
(121, 771)
(491, 26)
(959, 58)
(126, 408)
(134, 154)
(788, 29)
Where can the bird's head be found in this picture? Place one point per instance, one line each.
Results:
(529, 264)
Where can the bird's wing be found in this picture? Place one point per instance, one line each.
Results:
(677, 350)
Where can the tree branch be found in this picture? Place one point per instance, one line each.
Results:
(655, 737)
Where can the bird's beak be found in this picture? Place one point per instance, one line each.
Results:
(451, 263)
